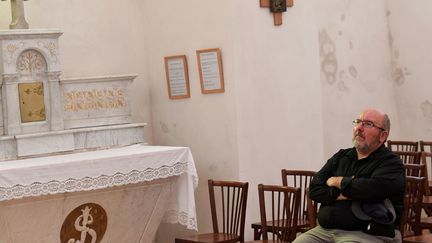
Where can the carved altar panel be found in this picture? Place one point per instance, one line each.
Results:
(96, 101)
(31, 62)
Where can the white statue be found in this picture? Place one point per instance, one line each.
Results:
(18, 18)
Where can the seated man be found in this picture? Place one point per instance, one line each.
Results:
(367, 174)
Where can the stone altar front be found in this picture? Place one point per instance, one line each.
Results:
(138, 186)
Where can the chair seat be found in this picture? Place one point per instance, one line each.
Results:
(301, 223)
(409, 233)
(418, 238)
(263, 241)
(425, 223)
(427, 200)
(208, 238)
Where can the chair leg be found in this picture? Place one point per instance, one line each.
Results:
(428, 210)
(257, 234)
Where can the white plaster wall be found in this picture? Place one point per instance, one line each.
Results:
(205, 123)
(411, 54)
(279, 111)
(101, 37)
(355, 66)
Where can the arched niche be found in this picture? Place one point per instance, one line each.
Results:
(32, 67)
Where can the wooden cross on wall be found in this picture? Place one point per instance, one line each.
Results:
(277, 7)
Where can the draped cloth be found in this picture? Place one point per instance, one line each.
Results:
(93, 170)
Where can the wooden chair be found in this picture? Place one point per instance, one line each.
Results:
(408, 157)
(425, 146)
(407, 146)
(302, 179)
(294, 178)
(418, 239)
(416, 170)
(312, 211)
(413, 225)
(279, 206)
(419, 170)
(427, 198)
(412, 208)
(426, 222)
(228, 200)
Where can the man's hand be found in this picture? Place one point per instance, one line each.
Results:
(335, 181)
(341, 197)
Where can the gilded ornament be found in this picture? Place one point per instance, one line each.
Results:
(32, 103)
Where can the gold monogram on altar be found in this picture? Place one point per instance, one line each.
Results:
(86, 223)
(32, 103)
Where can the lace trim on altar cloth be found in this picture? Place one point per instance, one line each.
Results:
(174, 217)
(88, 183)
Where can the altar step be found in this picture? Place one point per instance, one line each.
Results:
(70, 140)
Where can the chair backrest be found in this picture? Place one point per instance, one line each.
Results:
(417, 170)
(412, 206)
(409, 157)
(279, 205)
(426, 159)
(301, 179)
(313, 210)
(407, 146)
(426, 146)
(228, 200)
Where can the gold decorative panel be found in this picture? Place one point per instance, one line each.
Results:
(95, 99)
(32, 103)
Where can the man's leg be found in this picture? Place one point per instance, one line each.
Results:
(344, 236)
(315, 235)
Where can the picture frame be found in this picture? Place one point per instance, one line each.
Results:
(176, 70)
(210, 70)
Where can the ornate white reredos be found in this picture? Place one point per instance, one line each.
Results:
(42, 114)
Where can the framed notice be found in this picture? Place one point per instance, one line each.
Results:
(177, 77)
(210, 71)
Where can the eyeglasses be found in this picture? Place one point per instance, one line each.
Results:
(366, 124)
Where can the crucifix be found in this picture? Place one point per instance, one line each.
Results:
(277, 7)
(18, 18)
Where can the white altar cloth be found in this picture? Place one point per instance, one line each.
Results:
(101, 169)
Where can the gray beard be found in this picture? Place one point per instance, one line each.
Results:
(365, 148)
(362, 148)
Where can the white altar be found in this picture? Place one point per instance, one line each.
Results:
(138, 187)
